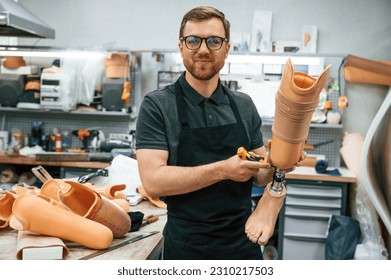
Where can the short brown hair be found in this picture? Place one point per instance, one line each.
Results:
(203, 13)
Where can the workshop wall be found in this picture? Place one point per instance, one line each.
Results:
(359, 27)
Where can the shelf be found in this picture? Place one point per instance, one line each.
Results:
(162, 51)
(27, 160)
(59, 112)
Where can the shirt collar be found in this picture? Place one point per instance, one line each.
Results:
(195, 97)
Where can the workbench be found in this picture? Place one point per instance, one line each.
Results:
(150, 247)
(144, 249)
(30, 160)
(309, 173)
(300, 173)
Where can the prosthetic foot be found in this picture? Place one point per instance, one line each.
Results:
(260, 225)
(33, 213)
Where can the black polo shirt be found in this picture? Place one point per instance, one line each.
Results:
(158, 125)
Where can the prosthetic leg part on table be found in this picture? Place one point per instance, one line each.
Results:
(37, 214)
(84, 201)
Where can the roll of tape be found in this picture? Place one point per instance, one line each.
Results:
(321, 166)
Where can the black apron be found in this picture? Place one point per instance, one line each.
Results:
(209, 223)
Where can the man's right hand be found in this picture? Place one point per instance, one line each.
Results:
(240, 170)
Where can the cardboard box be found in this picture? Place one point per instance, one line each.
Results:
(117, 65)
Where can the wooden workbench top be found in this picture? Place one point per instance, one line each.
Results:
(30, 160)
(300, 173)
(309, 173)
(147, 248)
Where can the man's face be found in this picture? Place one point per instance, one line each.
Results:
(204, 64)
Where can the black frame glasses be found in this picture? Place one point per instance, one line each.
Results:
(194, 42)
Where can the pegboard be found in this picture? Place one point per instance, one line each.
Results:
(318, 133)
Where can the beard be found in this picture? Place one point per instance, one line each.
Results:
(203, 68)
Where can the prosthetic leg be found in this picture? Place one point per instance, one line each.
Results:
(296, 100)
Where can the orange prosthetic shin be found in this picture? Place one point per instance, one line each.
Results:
(33, 213)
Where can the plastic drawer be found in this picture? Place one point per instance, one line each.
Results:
(303, 225)
(314, 202)
(311, 211)
(303, 249)
(314, 190)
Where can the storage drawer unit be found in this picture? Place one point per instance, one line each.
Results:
(304, 218)
(303, 248)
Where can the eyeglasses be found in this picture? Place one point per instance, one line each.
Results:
(193, 42)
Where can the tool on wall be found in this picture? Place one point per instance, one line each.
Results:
(89, 136)
(314, 146)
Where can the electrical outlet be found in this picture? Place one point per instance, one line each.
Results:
(120, 136)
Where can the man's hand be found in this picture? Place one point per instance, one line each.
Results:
(240, 170)
(298, 163)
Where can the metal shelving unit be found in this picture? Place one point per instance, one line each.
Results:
(107, 121)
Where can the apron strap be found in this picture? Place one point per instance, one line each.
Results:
(181, 104)
(233, 105)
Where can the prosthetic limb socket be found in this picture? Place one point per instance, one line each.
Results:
(296, 101)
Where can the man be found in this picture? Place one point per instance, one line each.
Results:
(187, 137)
